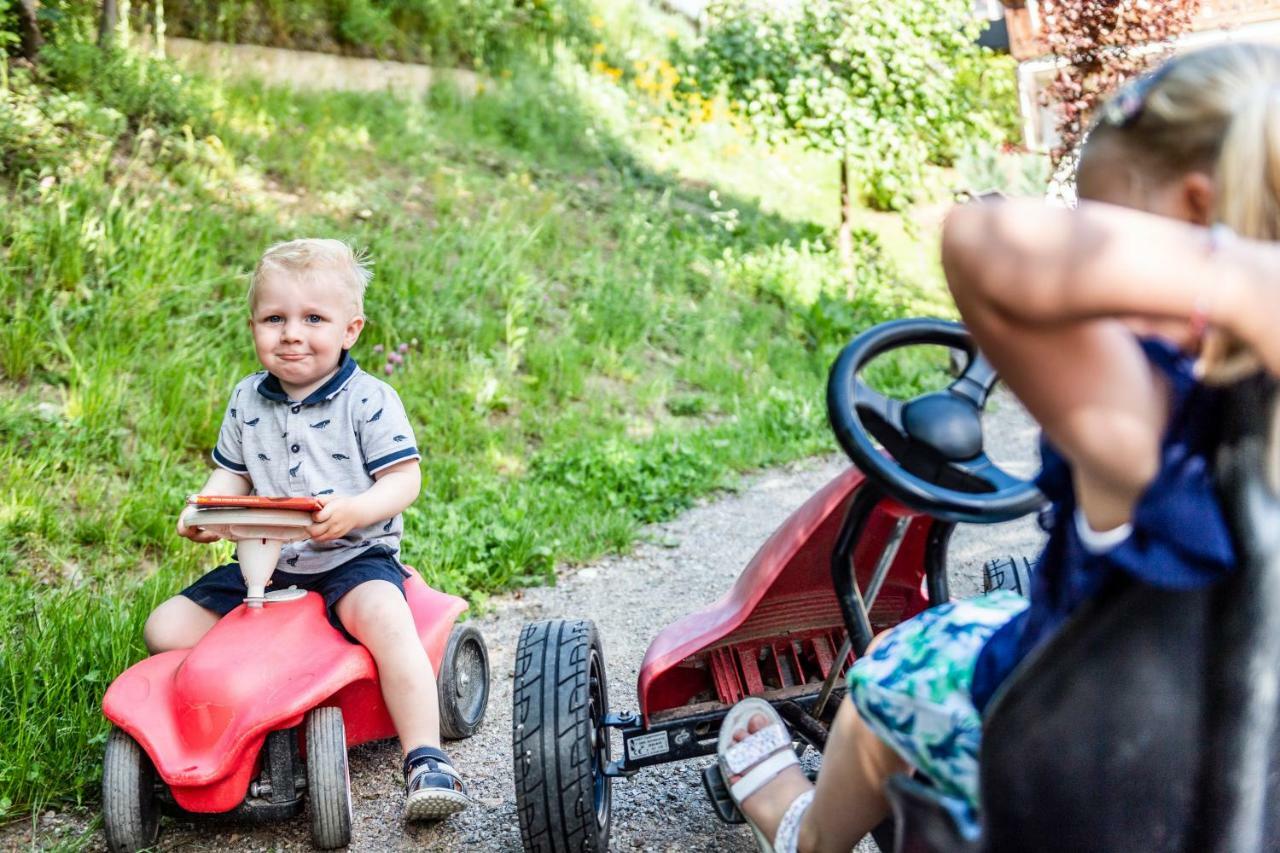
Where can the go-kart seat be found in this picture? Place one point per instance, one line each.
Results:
(1147, 723)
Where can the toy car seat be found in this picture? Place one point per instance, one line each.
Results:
(1148, 722)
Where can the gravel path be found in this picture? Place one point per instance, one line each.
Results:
(680, 566)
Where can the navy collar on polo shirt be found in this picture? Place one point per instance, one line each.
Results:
(271, 388)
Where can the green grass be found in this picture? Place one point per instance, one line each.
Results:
(597, 344)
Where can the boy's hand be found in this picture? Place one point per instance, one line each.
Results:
(335, 519)
(195, 534)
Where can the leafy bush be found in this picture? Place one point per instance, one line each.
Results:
(889, 86)
(989, 90)
(81, 104)
(1012, 173)
(9, 37)
(147, 91)
(42, 132)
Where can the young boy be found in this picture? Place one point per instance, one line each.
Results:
(314, 424)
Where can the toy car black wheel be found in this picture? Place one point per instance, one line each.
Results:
(1008, 573)
(560, 743)
(463, 682)
(328, 781)
(130, 809)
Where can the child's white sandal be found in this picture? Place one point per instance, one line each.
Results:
(788, 834)
(760, 757)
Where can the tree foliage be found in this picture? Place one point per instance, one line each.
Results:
(478, 33)
(888, 86)
(467, 32)
(1102, 43)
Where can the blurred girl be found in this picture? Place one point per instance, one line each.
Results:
(1103, 321)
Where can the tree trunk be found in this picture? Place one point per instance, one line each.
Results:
(29, 30)
(844, 238)
(113, 27)
(107, 23)
(159, 28)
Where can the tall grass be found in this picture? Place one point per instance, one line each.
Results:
(592, 345)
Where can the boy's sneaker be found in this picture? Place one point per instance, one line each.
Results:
(432, 788)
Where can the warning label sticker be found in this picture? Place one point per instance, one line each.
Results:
(645, 746)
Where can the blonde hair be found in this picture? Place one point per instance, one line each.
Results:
(309, 255)
(1215, 110)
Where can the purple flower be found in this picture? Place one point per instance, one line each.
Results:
(390, 368)
(395, 357)
(404, 348)
(377, 348)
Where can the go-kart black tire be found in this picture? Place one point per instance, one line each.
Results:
(1008, 573)
(463, 682)
(328, 780)
(130, 809)
(560, 747)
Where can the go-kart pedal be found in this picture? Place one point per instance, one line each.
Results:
(718, 792)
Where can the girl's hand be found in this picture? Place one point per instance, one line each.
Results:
(195, 534)
(1243, 312)
(335, 519)
(1258, 321)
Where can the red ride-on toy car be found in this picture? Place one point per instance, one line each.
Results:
(262, 710)
(864, 553)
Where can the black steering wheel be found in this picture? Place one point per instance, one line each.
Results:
(935, 462)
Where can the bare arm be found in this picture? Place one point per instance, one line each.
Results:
(1042, 289)
(220, 482)
(392, 492)
(1044, 265)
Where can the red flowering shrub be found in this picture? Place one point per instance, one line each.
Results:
(1103, 43)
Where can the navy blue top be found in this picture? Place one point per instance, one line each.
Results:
(1180, 538)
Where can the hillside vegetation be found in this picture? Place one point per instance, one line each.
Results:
(584, 344)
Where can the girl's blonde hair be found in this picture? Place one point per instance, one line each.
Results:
(1215, 110)
(311, 254)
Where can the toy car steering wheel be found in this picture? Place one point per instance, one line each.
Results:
(935, 462)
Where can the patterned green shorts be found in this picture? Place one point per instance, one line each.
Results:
(913, 691)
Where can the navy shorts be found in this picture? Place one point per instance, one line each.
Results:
(222, 589)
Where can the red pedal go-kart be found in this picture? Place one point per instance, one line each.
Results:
(863, 554)
(260, 713)
(1149, 722)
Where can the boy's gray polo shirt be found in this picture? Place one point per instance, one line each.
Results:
(331, 443)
